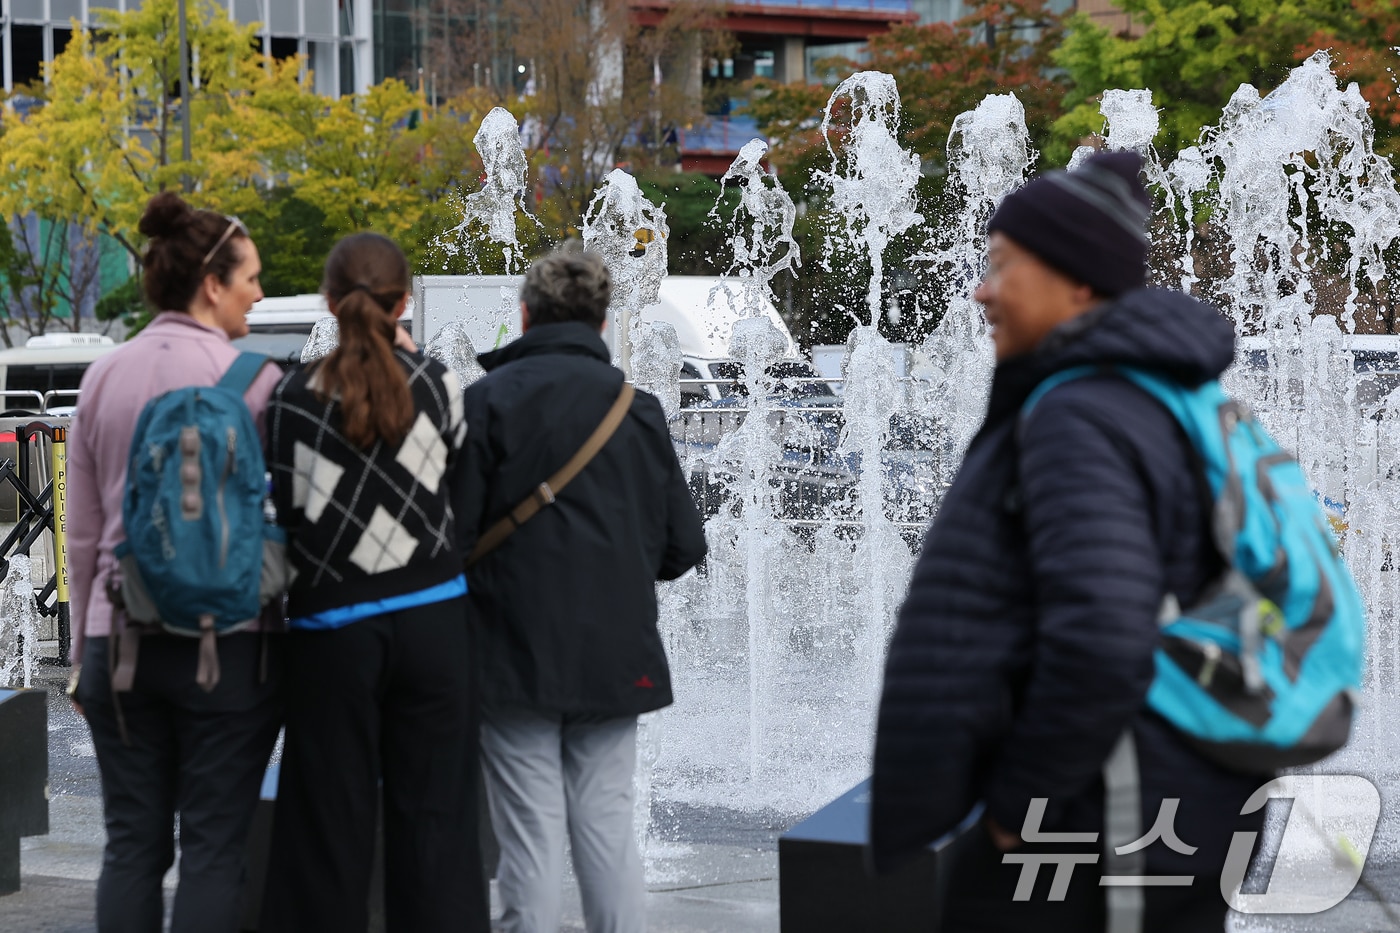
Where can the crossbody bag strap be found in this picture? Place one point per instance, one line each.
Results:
(546, 492)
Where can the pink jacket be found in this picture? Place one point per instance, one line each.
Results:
(173, 351)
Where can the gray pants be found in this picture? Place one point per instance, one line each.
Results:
(546, 773)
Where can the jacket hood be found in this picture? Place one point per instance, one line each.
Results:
(1160, 329)
(572, 337)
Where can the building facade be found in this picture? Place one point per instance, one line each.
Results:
(335, 36)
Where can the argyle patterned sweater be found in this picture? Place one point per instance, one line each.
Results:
(366, 524)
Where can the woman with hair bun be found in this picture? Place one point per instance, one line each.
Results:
(365, 453)
(166, 746)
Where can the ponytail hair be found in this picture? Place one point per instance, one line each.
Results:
(366, 276)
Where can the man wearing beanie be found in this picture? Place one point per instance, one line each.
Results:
(1023, 653)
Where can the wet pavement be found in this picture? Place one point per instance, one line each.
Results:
(712, 870)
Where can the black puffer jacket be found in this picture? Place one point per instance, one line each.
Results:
(567, 604)
(1024, 647)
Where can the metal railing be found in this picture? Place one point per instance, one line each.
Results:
(814, 479)
(43, 400)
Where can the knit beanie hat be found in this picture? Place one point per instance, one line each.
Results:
(1090, 224)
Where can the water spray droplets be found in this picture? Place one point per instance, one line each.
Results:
(872, 179)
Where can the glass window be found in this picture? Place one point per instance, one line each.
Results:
(249, 11)
(395, 48)
(27, 9)
(61, 11)
(283, 48)
(27, 46)
(320, 17)
(764, 64)
(347, 69)
(854, 51)
(321, 56)
(283, 15)
(44, 378)
(61, 38)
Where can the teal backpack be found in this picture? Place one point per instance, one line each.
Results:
(197, 539)
(1263, 671)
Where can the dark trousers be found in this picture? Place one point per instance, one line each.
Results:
(388, 698)
(982, 889)
(199, 754)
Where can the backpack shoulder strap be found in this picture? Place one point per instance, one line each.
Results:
(242, 372)
(1055, 381)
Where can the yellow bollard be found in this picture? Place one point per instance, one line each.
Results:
(59, 463)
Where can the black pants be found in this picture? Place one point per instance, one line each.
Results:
(390, 697)
(982, 889)
(199, 754)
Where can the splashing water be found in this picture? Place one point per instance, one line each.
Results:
(656, 364)
(767, 247)
(1132, 120)
(1302, 152)
(452, 347)
(325, 337)
(1306, 145)
(493, 208)
(873, 179)
(989, 154)
(1305, 208)
(629, 232)
(19, 624)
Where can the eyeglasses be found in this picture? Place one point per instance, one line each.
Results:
(233, 224)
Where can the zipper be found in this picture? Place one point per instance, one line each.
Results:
(1212, 652)
(223, 511)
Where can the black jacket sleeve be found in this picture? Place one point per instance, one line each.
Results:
(281, 461)
(476, 461)
(1098, 579)
(685, 532)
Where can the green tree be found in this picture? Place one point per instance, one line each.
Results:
(698, 244)
(1194, 54)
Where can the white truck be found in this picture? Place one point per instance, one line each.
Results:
(701, 308)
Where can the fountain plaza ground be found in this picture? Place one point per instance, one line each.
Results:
(718, 867)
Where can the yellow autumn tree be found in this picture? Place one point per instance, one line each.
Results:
(108, 134)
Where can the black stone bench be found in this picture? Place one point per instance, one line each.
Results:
(24, 776)
(824, 886)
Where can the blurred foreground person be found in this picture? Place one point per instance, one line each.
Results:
(1129, 611)
(365, 448)
(581, 506)
(184, 726)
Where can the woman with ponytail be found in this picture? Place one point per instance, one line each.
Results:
(365, 453)
(164, 745)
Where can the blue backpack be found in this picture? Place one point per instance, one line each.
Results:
(1263, 671)
(193, 511)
